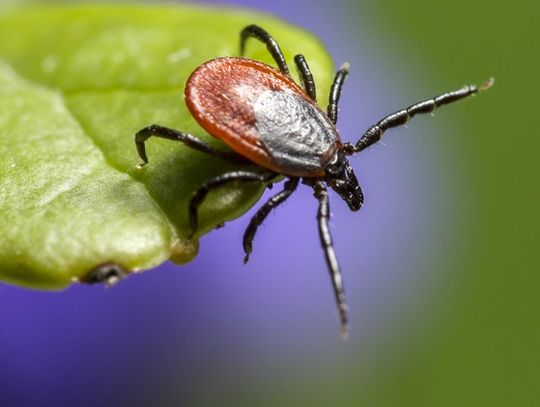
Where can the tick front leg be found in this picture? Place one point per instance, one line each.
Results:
(271, 45)
(188, 139)
(323, 216)
(262, 213)
(307, 76)
(375, 132)
(234, 176)
(335, 92)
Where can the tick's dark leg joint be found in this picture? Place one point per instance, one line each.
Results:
(188, 139)
(375, 132)
(271, 45)
(307, 76)
(335, 92)
(262, 213)
(323, 216)
(204, 189)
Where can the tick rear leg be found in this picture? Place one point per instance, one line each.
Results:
(262, 213)
(375, 132)
(323, 216)
(306, 75)
(204, 189)
(335, 92)
(271, 45)
(188, 139)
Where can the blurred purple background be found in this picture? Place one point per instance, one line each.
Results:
(218, 330)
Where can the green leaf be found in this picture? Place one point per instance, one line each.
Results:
(76, 83)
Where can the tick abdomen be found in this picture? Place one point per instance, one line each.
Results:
(263, 115)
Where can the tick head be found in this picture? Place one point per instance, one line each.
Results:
(340, 177)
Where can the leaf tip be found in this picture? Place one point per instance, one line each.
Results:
(183, 251)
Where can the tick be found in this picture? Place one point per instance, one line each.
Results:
(269, 120)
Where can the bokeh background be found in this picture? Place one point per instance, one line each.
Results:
(441, 265)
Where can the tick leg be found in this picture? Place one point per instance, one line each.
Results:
(306, 75)
(323, 216)
(263, 212)
(204, 189)
(374, 133)
(188, 139)
(335, 92)
(271, 45)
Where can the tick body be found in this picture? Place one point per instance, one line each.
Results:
(263, 115)
(267, 119)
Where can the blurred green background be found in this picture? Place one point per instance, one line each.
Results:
(478, 341)
(481, 346)
(484, 349)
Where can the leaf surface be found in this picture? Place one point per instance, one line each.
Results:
(76, 83)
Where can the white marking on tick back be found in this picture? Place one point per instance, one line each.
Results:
(295, 132)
